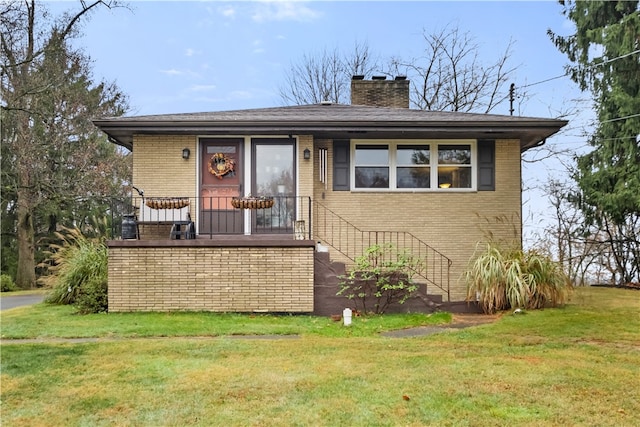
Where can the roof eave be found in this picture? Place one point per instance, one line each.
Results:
(530, 134)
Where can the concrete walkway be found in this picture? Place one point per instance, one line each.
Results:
(460, 321)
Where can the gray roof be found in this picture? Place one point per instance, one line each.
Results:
(335, 121)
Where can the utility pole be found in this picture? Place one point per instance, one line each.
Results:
(512, 90)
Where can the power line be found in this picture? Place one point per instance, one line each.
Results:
(544, 81)
(592, 65)
(620, 138)
(620, 118)
(617, 57)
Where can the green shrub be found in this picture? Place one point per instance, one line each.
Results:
(78, 272)
(381, 276)
(93, 298)
(7, 284)
(505, 278)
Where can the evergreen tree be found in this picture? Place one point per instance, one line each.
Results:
(605, 56)
(55, 163)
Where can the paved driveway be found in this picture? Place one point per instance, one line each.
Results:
(12, 301)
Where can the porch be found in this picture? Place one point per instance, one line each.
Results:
(288, 258)
(157, 218)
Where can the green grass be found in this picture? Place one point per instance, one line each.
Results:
(572, 366)
(47, 321)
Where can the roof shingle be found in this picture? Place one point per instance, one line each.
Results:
(336, 120)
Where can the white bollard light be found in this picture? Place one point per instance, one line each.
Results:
(346, 316)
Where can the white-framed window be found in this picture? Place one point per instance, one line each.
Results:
(412, 165)
(454, 166)
(371, 166)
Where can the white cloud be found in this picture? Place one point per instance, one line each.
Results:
(172, 72)
(257, 44)
(284, 11)
(190, 52)
(240, 94)
(202, 88)
(175, 72)
(227, 11)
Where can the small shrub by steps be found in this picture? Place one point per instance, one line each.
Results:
(382, 276)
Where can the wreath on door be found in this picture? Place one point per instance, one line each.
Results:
(220, 165)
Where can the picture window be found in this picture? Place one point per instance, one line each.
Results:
(400, 166)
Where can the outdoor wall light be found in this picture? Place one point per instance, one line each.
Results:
(186, 153)
(307, 154)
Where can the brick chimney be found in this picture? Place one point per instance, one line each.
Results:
(380, 92)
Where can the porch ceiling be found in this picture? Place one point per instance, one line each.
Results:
(335, 121)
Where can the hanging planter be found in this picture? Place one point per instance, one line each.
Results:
(252, 202)
(167, 202)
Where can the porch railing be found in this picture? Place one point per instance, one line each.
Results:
(351, 241)
(212, 216)
(289, 215)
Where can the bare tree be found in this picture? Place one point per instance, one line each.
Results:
(51, 153)
(573, 252)
(589, 254)
(450, 76)
(325, 76)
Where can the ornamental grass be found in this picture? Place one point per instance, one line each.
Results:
(77, 270)
(502, 278)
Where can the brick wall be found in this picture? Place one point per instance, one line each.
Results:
(159, 170)
(306, 172)
(203, 276)
(380, 93)
(158, 166)
(451, 222)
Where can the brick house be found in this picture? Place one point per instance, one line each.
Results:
(334, 179)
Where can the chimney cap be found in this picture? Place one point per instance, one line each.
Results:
(378, 77)
(401, 77)
(358, 77)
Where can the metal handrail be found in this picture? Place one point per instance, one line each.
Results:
(351, 241)
(322, 224)
(217, 216)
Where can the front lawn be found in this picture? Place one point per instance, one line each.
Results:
(572, 366)
(49, 321)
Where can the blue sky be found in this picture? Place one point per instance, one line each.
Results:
(215, 55)
(177, 57)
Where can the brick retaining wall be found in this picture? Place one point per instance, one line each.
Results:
(205, 275)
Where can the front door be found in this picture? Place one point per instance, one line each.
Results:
(220, 181)
(274, 176)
